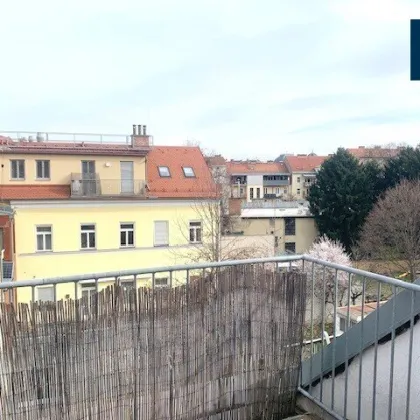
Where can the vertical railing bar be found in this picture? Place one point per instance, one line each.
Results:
(322, 333)
(375, 362)
(76, 294)
(346, 380)
(170, 279)
(410, 356)
(335, 338)
(312, 322)
(359, 397)
(391, 374)
(33, 294)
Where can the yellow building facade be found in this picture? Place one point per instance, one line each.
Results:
(109, 252)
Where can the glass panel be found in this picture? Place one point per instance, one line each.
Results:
(43, 229)
(131, 238)
(84, 240)
(123, 241)
(198, 234)
(39, 243)
(88, 227)
(46, 168)
(39, 169)
(48, 245)
(92, 240)
(164, 171)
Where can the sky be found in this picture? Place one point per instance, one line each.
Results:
(247, 79)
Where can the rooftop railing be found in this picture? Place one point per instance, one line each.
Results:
(58, 137)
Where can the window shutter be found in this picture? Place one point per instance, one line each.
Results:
(161, 233)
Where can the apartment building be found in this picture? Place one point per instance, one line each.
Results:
(290, 222)
(377, 153)
(303, 170)
(88, 207)
(253, 180)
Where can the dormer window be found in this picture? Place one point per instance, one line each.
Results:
(188, 172)
(164, 171)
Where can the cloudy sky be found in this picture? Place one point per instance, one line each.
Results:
(245, 78)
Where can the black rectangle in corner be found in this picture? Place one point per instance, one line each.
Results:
(415, 49)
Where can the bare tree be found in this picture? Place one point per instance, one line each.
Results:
(207, 243)
(392, 229)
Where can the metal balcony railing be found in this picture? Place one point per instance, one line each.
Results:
(274, 204)
(82, 187)
(367, 371)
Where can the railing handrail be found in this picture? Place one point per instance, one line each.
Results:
(363, 273)
(142, 271)
(209, 265)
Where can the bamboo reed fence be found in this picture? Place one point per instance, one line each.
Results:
(228, 348)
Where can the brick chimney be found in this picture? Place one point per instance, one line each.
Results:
(140, 138)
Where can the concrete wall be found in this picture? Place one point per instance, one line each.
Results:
(306, 231)
(382, 387)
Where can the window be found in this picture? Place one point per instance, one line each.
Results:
(17, 169)
(289, 226)
(88, 237)
(290, 247)
(188, 172)
(161, 282)
(164, 171)
(251, 193)
(298, 179)
(127, 285)
(195, 232)
(161, 233)
(298, 191)
(43, 169)
(277, 190)
(276, 242)
(46, 294)
(258, 193)
(43, 238)
(126, 234)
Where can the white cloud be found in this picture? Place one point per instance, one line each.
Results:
(245, 78)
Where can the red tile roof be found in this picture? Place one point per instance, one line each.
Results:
(217, 160)
(177, 185)
(64, 148)
(34, 192)
(304, 163)
(249, 167)
(374, 152)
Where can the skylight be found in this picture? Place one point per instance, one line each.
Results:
(188, 171)
(164, 171)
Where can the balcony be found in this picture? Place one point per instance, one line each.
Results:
(106, 188)
(276, 183)
(245, 337)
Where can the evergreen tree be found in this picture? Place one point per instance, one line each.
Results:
(343, 196)
(404, 166)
